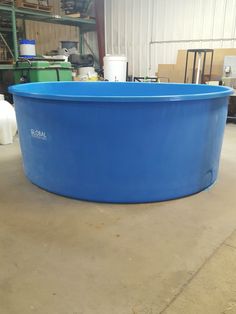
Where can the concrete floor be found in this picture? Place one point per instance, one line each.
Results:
(62, 256)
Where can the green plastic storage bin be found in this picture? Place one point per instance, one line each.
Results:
(28, 71)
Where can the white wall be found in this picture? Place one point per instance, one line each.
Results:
(150, 32)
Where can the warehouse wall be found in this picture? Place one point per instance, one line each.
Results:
(150, 32)
(49, 35)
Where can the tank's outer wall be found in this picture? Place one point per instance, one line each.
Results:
(133, 152)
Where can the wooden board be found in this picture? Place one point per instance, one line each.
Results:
(33, 5)
(80, 15)
(6, 1)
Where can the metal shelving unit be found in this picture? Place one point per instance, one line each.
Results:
(85, 25)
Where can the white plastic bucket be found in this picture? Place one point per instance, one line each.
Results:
(27, 48)
(87, 74)
(115, 68)
(86, 71)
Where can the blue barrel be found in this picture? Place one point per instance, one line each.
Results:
(121, 142)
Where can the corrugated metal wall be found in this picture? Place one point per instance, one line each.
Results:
(48, 36)
(150, 32)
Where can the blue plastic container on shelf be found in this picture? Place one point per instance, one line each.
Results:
(121, 142)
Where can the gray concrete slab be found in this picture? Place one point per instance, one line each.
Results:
(60, 256)
(213, 289)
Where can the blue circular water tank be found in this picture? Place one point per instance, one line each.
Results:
(121, 142)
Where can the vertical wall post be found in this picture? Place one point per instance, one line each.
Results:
(99, 11)
(81, 42)
(14, 32)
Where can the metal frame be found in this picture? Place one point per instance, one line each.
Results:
(199, 52)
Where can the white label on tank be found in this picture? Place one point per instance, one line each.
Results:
(41, 135)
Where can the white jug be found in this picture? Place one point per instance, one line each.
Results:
(8, 126)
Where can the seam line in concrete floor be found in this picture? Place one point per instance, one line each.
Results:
(229, 245)
(185, 285)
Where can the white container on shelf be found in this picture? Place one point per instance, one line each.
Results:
(115, 68)
(8, 125)
(27, 48)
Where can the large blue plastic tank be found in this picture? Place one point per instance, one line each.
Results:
(121, 142)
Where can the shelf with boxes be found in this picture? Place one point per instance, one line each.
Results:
(11, 13)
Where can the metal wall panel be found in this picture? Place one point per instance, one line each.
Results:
(150, 32)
